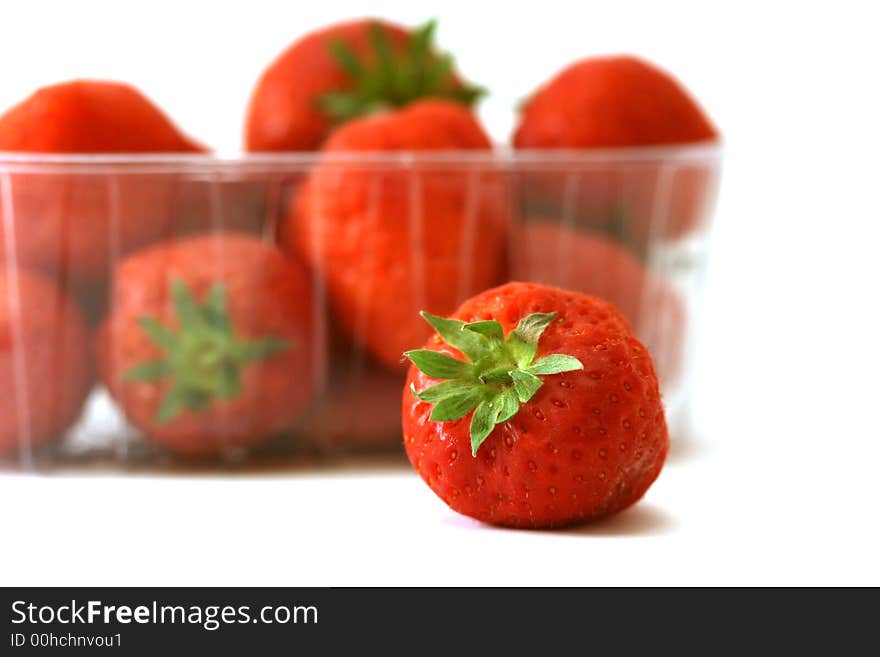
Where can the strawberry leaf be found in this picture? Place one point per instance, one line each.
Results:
(382, 50)
(228, 383)
(214, 311)
(389, 75)
(457, 406)
(525, 384)
(471, 343)
(421, 41)
(483, 421)
(523, 353)
(490, 328)
(439, 366)
(171, 406)
(163, 337)
(203, 357)
(154, 370)
(184, 305)
(445, 390)
(499, 377)
(248, 352)
(530, 328)
(509, 406)
(346, 58)
(555, 364)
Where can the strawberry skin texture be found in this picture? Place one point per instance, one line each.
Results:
(74, 225)
(43, 338)
(283, 114)
(392, 243)
(587, 445)
(268, 294)
(577, 260)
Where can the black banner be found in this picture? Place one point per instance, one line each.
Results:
(290, 620)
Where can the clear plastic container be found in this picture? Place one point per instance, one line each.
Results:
(251, 308)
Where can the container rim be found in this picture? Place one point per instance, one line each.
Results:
(703, 152)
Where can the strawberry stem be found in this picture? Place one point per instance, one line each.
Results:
(203, 357)
(392, 77)
(499, 375)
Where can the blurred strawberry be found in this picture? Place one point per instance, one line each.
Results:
(74, 221)
(210, 343)
(89, 116)
(613, 102)
(45, 373)
(546, 252)
(390, 241)
(343, 72)
(605, 102)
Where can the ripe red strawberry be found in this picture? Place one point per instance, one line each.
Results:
(534, 407)
(549, 253)
(604, 102)
(607, 102)
(45, 373)
(210, 343)
(389, 242)
(90, 116)
(72, 222)
(342, 72)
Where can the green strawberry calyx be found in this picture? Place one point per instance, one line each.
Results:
(393, 77)
(203, 357)
(500, 374)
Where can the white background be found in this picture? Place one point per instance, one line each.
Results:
(779, 485)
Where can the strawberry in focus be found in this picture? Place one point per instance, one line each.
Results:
(613, 102)
(549, 253)
(343, 72)
(389, 242)
(45, 373)
(210, 343)
(75, 224)
(534, 407)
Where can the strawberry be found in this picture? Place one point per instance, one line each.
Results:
(389, 241)
(342, 72)
(549, 253)
(534, 407)
(609, 102)
(90, 116)
(45, 372)
(210, 343)
(604, 102)
(71, 221)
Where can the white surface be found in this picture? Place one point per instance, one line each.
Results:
(712, 518)
(782, 487)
